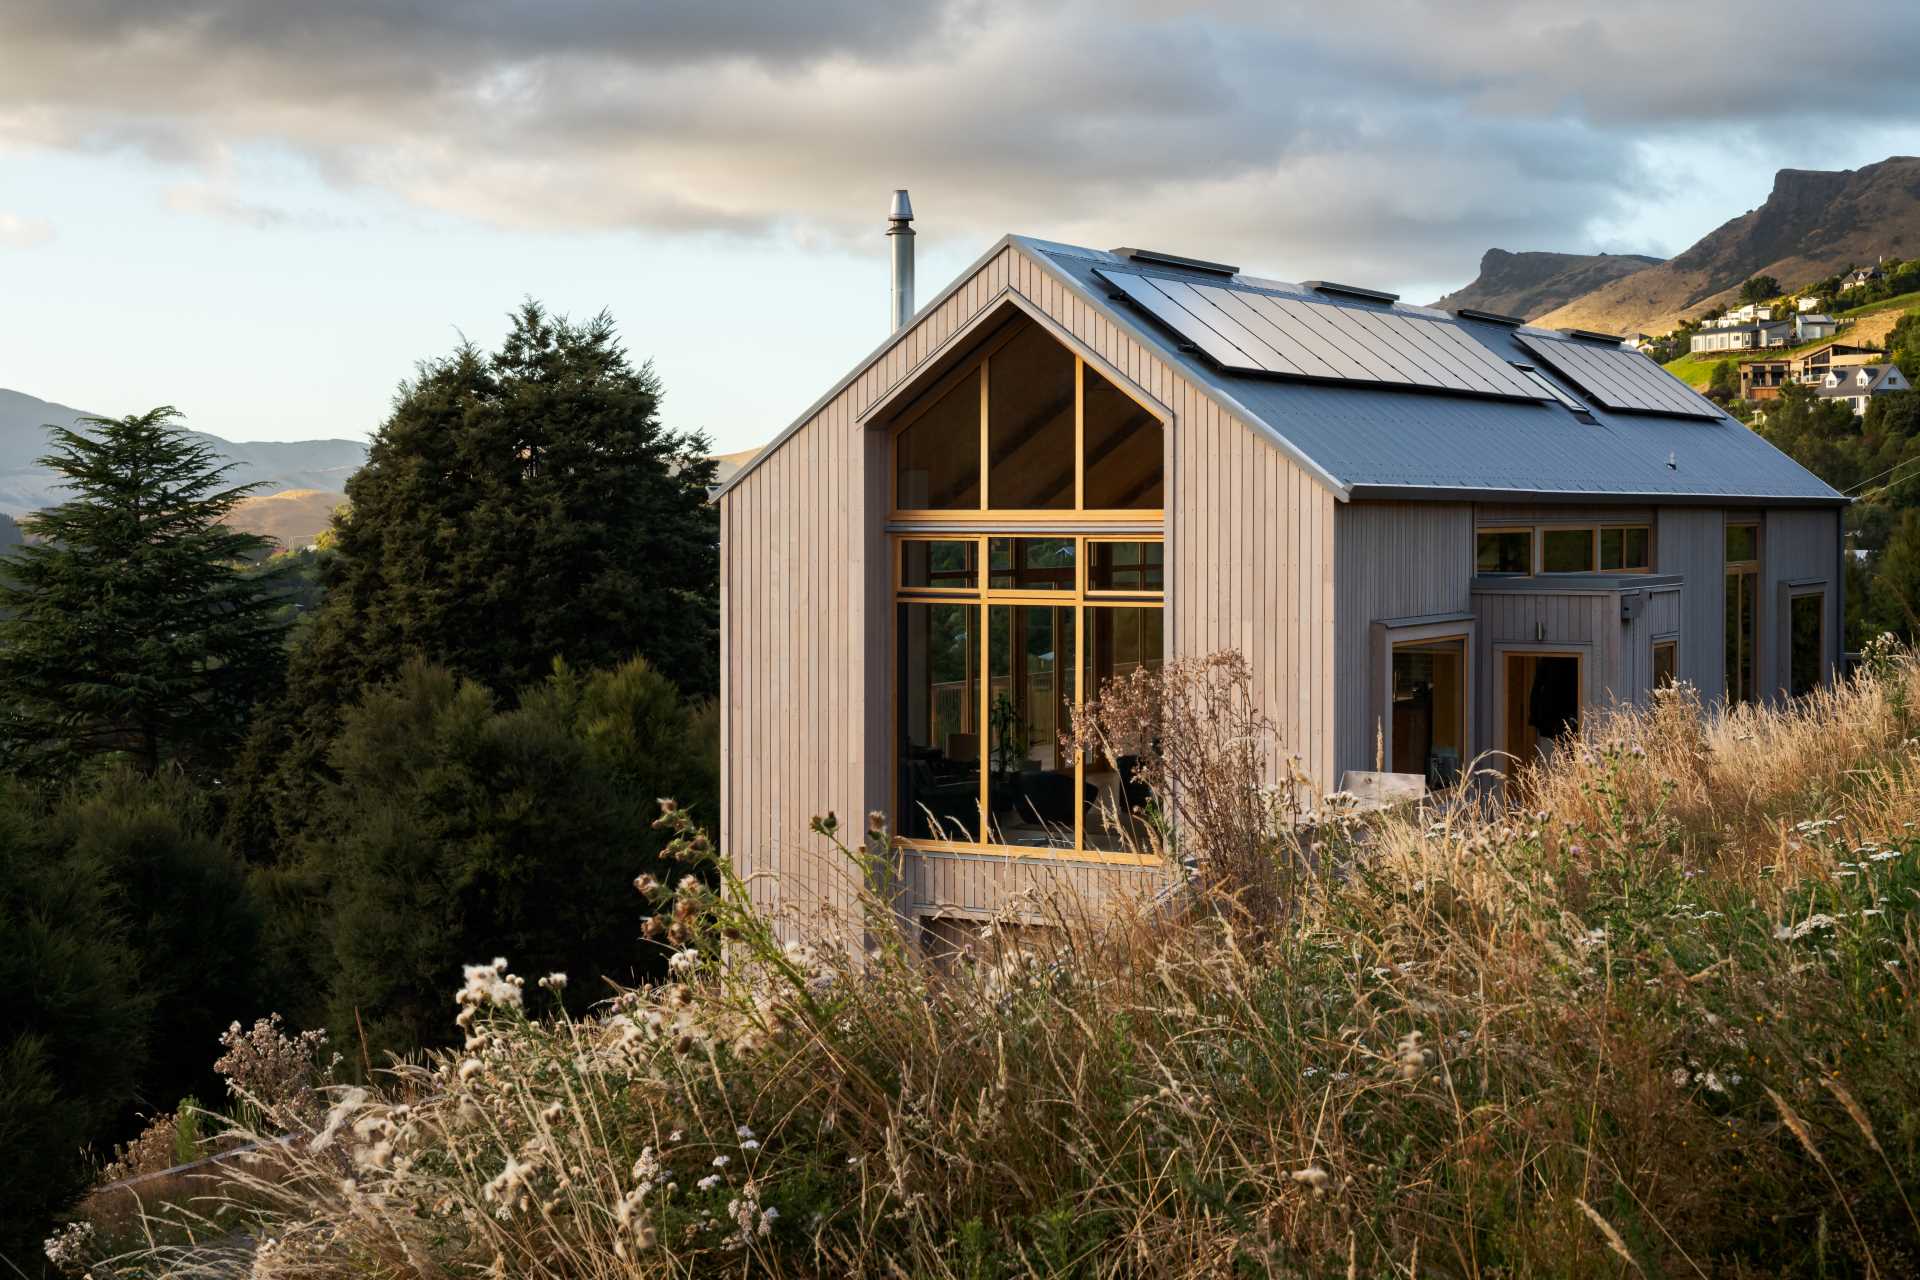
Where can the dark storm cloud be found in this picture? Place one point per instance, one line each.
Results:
(1391, 140)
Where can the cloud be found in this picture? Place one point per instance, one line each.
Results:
(208, 200)
(17, 232)
(1386, 140)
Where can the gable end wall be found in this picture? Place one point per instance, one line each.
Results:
(806, 610)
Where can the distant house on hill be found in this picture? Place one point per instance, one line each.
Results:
(1860, 384)
(1811, 326)
(1431, 535)
(1762, 379)
(1741, 337)
(1860, 277)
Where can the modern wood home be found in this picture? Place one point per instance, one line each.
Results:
(1432, 535)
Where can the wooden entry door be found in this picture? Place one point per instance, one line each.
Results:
(1542, 701)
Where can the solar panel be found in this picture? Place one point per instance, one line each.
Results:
(1293, 337)
(1551, 387)
(1618, 378)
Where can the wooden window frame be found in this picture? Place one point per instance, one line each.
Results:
(1540, 548)
(1790, 591)
(1581, 651)
(1537, 556)
(983, 514)
(1670, 640)
(1624, 529)
(1533, 549)
(1076, 602)
(1394, 633)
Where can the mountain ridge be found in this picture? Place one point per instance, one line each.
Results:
(275, 465)
(1813, 224)
(1531, 283)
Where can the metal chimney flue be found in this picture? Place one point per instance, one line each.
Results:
(900, 239)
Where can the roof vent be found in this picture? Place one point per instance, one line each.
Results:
(1154, 258)
(1491, 317)
(1590, 335)
(1351, 291)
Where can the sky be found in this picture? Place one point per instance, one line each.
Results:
(267, 212)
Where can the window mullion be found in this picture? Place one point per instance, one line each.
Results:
(986, 372)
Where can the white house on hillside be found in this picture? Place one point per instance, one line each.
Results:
(1858, 385)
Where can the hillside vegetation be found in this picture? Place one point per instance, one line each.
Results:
(292, 518)
(1657, 1018)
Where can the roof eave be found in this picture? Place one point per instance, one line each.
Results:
(1146, 337)
(1584, 497)
(872, 357)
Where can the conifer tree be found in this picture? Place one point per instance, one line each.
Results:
(517, 507)
(126, 626)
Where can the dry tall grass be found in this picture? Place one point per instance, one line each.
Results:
(1656, 1018)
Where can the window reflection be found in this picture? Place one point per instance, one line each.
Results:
(1429, 710)
(1126, 566)
(1120, 640)
(1031, 793)
(1123, 450)
(937, 456)
(939, 708)
(1030, 424)
(1030, 564)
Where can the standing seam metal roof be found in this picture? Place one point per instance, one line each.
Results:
(1371, 438)
(1373, 442)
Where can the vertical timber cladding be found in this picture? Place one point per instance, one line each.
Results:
(1395, 560)
(1796, 546)
(1691, 541)
(807, 631)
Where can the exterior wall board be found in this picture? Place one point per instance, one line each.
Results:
(1391, 560)
(1796, 546)
(1691, 541)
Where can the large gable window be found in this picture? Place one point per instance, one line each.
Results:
(987, 677)
(1029, 572)
(1046, 432)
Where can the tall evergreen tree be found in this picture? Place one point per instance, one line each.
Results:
(127, 627)
(521, 507)
(516, 507)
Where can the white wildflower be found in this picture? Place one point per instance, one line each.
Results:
(1313, 1176)
(554, 982)
(1793, 933)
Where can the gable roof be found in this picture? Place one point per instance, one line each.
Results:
(1373, 441)
(1844, 380)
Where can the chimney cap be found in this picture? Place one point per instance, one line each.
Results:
(902, 210)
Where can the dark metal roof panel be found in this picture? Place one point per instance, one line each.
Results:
(1399, 440)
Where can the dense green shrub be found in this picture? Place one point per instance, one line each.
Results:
(190, 917)
(458, 826)
(74, 1013)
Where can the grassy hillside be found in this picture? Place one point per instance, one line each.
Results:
(1660, 1017)
(293, 517)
